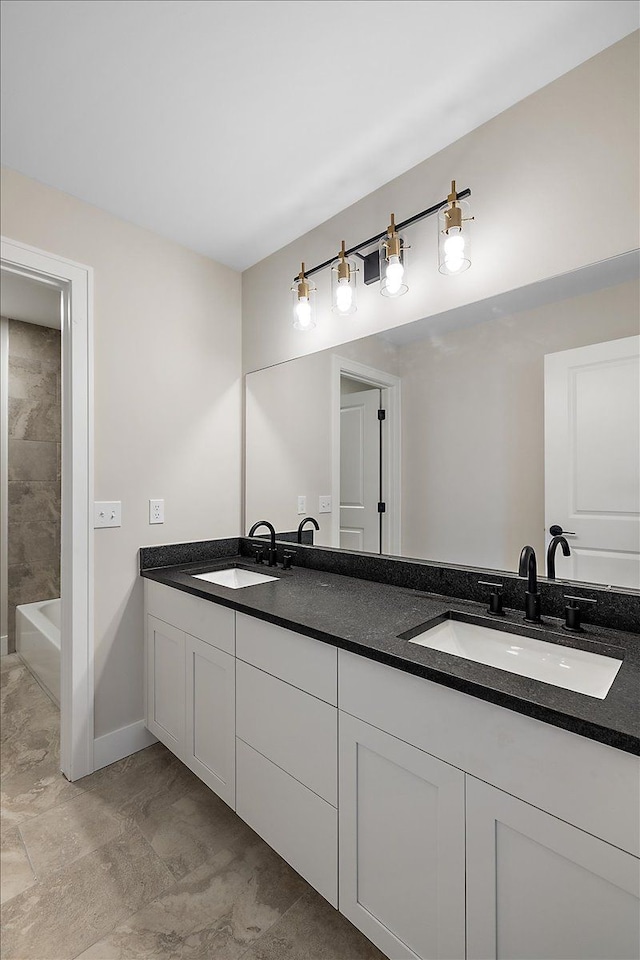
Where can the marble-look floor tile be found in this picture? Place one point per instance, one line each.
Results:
(148, 780)
(214, 913)
(190, 831)
(33, 790)
(313, 930)
(10, 662)
(16, 873)
(59, 917)
(32, 460)
(33, 379)
(68, 831)
(34, 540)
(33, 500)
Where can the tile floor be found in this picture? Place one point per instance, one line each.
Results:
(139, 860)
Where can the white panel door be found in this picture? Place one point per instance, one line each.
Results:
(540, 888)
(592, 459)
(210, 716)
(165, 684)
(402, 880)
(360, 471)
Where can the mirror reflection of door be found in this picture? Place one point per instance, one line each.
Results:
(592, 452)
(360, 466)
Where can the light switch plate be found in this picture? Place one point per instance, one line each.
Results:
(324, 505)
(302, 505)
(107, 513)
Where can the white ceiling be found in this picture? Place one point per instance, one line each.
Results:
(235, 127)
(32, 301)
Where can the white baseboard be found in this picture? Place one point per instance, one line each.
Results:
(121, 743)
(4, 645)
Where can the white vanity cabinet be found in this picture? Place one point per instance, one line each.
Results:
(190, 683)
(540, 887)
(402, 854)
(550, 848)
(286, 747)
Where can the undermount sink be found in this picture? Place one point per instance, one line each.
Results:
(568, 667)
(234, 577)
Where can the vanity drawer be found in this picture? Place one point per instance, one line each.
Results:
(297, 823)
(306, 663)
(200, 618)
(296, 731)
(586, 783)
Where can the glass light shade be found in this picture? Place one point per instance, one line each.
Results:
(303, 302)
(393, 268)
(344, 294)
(454, 243)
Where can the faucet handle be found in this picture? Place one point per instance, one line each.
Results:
(573, 613)
(495, 599)
(287, 559)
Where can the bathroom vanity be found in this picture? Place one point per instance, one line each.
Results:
(449, 809)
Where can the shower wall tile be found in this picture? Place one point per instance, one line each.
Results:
(32, 500)
(35, 540)
(34, 419)
(34, 466)
(34, 342)
(33, 379)
(33, 460)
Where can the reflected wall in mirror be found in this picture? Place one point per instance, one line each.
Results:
(500, 420)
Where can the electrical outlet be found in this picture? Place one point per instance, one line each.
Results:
(324, 505)
(156, 511)
(107, 513)
(302, 505)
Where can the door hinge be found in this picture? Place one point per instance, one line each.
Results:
(382, 414)
(382, 507)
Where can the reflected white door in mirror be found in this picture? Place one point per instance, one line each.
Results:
(592, 453)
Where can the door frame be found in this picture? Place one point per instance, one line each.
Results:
(342, 367)
(75, 281)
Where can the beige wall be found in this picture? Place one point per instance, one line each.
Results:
(555, 187)
(167, 406)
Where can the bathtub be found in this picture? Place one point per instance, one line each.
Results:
(38, 642)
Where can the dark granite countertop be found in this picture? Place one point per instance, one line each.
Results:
(367, 617)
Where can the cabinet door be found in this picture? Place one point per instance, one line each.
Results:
(401, 835)
(539, 887)
(210, 716)
(165, 684)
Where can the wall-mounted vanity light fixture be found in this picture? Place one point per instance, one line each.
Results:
(303, 295)
(343, 284)
(393, 262)
(454, 248)
(388, 261)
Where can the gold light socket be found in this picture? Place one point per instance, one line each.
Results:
(453, 216)
(344, 270)
(392, 243)
(303, 285)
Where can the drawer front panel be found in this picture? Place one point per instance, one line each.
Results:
(298, 824)
(296, 731)
(306, 663)
(200, 618)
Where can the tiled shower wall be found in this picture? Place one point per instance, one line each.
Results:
(34, 436)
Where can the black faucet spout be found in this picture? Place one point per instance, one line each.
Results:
(302, 524)
(528, 568)
(554, 543)
(272, 548)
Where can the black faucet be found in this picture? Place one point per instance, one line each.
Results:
(303, 522)
(554, 543)
(271, 553)
(528, 568)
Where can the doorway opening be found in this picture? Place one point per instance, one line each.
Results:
(366, 458)
(69, 285)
